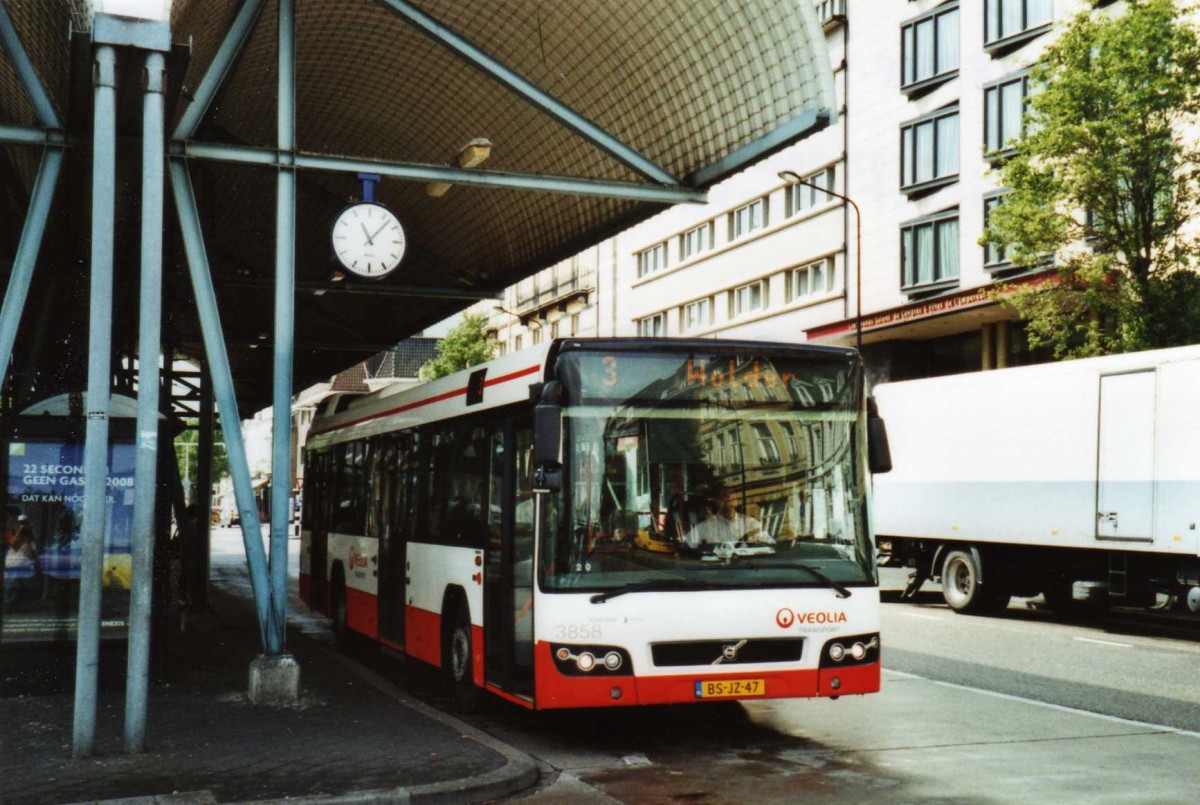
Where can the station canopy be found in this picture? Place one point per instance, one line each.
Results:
(694, 90)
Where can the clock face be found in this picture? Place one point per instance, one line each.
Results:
(368, 240)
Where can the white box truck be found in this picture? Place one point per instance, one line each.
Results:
(1077, 480)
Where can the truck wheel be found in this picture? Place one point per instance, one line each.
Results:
(960, 582)
(460, 661)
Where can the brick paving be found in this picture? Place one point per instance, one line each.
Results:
(345, 735)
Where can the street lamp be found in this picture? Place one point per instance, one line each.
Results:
(793, 178)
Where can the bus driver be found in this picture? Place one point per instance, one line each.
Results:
(725, 524)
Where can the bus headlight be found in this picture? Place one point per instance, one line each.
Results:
(851, 650)
(591, 660)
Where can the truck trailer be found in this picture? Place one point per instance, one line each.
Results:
(1079, 481)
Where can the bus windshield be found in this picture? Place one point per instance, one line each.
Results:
(684, 470)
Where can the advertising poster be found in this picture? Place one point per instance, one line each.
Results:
(42, 544)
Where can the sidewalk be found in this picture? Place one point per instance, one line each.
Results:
(351, 738)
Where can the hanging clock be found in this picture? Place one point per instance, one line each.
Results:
(368, 240)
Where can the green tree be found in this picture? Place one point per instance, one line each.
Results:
(1102, 183)
(465, 345)
(187, 451)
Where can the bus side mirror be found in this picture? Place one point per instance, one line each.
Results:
(547, 438)
(879, 454)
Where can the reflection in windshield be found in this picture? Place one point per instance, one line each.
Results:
(752, 480)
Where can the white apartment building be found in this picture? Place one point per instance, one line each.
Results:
(929, 91)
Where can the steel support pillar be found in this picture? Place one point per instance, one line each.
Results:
(198, 572)
(222, 380)
(149, 355)
(95, 454)
(285, 311)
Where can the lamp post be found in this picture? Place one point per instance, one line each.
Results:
(793, 178)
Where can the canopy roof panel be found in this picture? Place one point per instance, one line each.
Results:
(699, 88)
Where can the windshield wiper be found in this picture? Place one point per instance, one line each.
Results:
(652, 585)
(842, 590)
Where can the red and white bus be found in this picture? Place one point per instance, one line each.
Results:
(608, 522)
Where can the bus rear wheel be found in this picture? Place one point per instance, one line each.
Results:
(460, 661)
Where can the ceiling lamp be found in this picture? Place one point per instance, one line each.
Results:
(471, 155)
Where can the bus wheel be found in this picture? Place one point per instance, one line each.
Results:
(960, 582)
(460, 661)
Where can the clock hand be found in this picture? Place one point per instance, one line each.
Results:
(370, 238)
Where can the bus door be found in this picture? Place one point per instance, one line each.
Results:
(401, 483)
(316, 508)
(508, 652)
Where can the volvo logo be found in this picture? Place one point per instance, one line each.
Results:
(729, 653)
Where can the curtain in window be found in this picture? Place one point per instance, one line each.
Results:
(924, 253)
(910, 56)
(947, 232)
(1011, 22)
(1038, 12)
(907, 273)
(993, 21)
(923, 135)
(801, 283)
(947, 42)
(907, 157)
(993, 136)
(947, 146)
(1012, 100)
(925, 52)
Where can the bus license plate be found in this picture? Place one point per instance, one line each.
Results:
(725, 688)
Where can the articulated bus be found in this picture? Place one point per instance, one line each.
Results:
(608, 522)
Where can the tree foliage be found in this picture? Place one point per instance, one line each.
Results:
(1102, 183)
(464, 346)
(187, 452)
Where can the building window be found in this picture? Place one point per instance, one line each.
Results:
(814, 279)
(764, 442)
(575, 324)
(500, 349)
(1004, 106)
(517, 343)
(829, 10)
(1006, 19)
(554, 329)
(748, 218)
(993, 256)
(652, 260)
(653, 326)
(929, 48)
(536, 336)
(929, 252)
(695, 241)
(697, 315)
(929, 151)
(747, 299)
(798, 197)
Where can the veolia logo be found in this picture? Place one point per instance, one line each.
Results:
(785, 618)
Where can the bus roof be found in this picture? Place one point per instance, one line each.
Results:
(500, 382)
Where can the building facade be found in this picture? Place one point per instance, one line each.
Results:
(931, 95)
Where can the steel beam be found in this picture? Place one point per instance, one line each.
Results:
(149, 356)
(27, 254)
(227, 54)
(285, 317)
(351, 288)
(10, 43)
(533, 94)
(95, 450)
(420, 172)
(231, 426)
